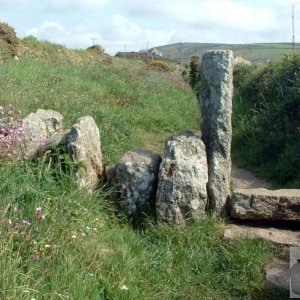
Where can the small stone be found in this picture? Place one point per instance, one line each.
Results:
(38, 127)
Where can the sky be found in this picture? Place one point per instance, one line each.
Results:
(136, 23)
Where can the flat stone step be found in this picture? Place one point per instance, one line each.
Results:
(265, 205)
(278, 274)
(278, 236)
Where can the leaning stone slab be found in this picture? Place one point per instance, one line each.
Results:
(216, 110)
(135, 182)
(278, 236)
(38, 127)
(83, 144)
(57, 142)
(183, 176)
(263, 204)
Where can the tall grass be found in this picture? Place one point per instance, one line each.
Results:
(127, 101)
(83, 251)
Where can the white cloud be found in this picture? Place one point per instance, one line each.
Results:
(123, 31)
(78, 36)
(48, 26)
(135, 23)
(14, 1)
(228, 13)
(32, 31)
(76, 4)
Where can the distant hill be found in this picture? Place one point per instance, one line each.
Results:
(253, 52)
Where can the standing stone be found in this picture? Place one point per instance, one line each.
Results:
(183, 176)
(83, 143)
(216, 109)
(135, 182)
(38, 127)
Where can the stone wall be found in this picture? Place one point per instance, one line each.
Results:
(192, 179)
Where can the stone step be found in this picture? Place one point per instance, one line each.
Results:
(278, 236)
(265, 205)
(278, 274)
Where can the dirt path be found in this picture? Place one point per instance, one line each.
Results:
(243, 179)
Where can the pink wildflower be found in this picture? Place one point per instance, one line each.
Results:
(39, 214)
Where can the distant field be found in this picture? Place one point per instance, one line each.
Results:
(253, 52)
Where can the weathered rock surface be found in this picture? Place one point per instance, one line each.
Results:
(135, 182)
(263, 204)
(37, 128)
(278, 274)
(183, 176)
(83, 144)
(216, 110)
(278, 236)
(57, 138)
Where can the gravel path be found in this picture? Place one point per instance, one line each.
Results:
(243, 179)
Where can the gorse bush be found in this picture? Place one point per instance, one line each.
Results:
(266, 120)
(8, 35)
(194, 71)
(161, 66)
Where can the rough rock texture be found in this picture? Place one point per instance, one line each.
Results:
(278, 274)
(83, 143)
(263, 204)
(37, 128)
(135, 182)
(57, 138)
(216, 110)
(183, 176)
(278, 236)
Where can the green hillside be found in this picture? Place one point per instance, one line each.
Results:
(83, 248)
(253, 52)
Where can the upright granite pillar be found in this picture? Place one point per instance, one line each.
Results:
(216, 110)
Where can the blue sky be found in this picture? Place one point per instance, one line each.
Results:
(114, 23)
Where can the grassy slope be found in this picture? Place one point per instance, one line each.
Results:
(253, 52)
(127, 102)
(82, 250)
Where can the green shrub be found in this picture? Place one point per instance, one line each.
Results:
(266, 120)
(194, 71)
